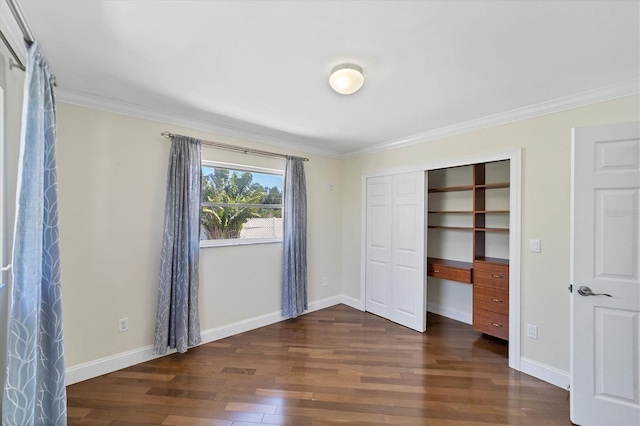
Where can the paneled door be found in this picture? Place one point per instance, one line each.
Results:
(605, 302)
(378, 246)
(395, 278)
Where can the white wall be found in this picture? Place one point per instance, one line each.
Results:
(112, 172)
(545, 210)
(11, 82)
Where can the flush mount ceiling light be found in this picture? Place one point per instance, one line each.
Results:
(346, 79)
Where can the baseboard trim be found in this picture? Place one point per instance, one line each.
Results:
(465, 317)
(352, 302)
(89, 370)
(545, 372)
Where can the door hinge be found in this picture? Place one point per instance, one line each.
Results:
(570, 288)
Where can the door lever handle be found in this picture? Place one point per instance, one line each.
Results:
(586, 291)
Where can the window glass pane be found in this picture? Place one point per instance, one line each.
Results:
(239, 186)
(239, 204)
(224, 223)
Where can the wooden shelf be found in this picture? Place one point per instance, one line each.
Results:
(452, 211)
(493, 185)
(491, 229)
(490, 211)
(456, 228)
(452, 188)
(468, 228)
(497, 260)
(451, 263)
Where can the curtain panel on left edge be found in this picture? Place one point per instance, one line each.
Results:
(34, 391)
(178, 322)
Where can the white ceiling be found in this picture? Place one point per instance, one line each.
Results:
(263, 66)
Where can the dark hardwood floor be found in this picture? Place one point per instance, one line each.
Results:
(335, 366)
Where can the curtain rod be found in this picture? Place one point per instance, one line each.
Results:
(22, 22)
(29, 38)
(26, 33)
(15, 61)
(221, 145)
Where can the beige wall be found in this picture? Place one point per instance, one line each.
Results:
(546, 143)
(112, 181)
(112, 171)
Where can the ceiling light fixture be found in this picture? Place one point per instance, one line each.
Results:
(346, 79)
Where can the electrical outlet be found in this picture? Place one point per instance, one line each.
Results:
(123, 325)
(325, 282)
(532, 331)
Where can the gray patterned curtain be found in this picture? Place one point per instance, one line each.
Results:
(294, 285)
(178, 323)
(34, 390)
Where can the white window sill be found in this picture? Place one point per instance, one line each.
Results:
(238, 242)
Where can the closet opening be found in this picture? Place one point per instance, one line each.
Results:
(444, 238)
(467, 245)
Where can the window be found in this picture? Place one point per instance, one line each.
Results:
(240, 204)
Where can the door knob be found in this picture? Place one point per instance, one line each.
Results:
(586, 291)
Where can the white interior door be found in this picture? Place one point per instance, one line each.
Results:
(408, 291)
(605, 331)
(395, 241)
(378, 246)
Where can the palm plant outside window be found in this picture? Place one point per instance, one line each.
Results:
(240, 204)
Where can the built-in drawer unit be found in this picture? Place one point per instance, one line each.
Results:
(491, 274)
(449, 270)
(491, 297)
(491, 323)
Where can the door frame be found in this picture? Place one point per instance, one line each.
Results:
(515, 230)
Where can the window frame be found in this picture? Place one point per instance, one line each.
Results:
(242, 168)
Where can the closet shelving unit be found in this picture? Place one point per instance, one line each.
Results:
(489, 275)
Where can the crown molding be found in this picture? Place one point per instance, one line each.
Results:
(246, 131)
(260, 134)
(615, 91)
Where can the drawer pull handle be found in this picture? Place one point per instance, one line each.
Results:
(435, 271)
(495, 324)
(493, 299)
(496, 276)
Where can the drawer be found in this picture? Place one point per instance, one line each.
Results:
(491, 299)
(491, 323)
(491, 274)
(438, 270)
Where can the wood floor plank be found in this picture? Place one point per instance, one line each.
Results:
(334, 366)
(195, 421)
(251, 408)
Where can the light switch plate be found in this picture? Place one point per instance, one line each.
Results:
(534, 246)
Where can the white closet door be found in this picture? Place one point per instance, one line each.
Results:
(378, 246)
(408, 290)
(394, 275)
